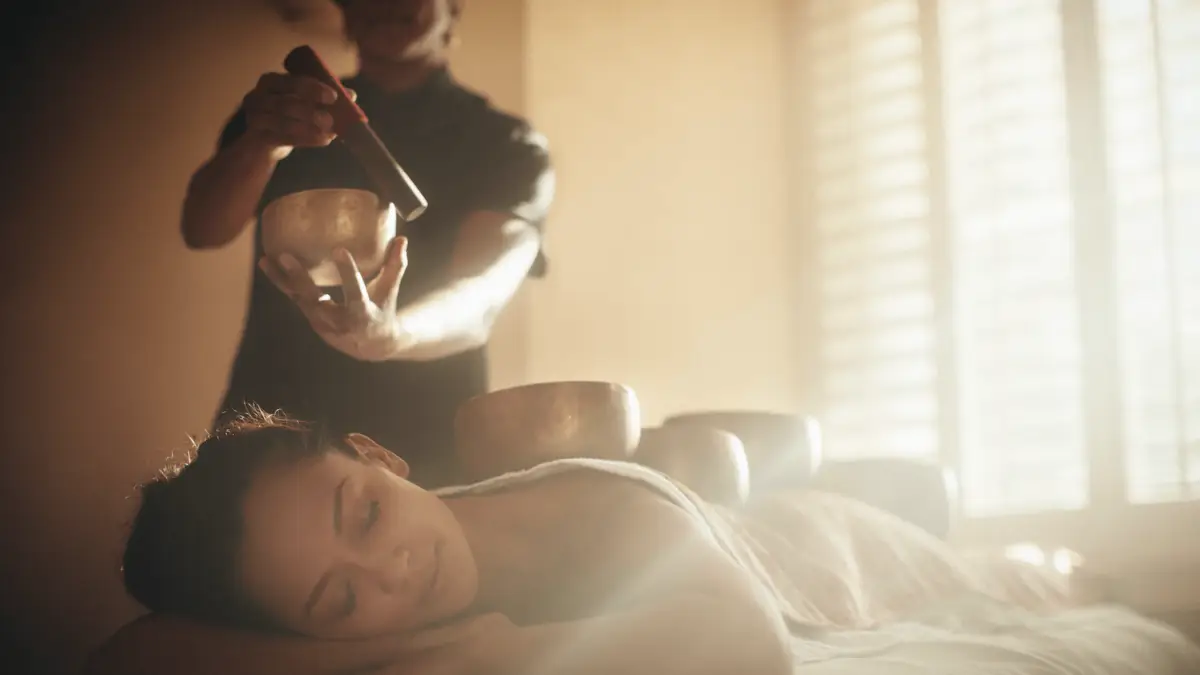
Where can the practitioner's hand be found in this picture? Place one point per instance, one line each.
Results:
(476, 646)
(290, 111)
(364, 324)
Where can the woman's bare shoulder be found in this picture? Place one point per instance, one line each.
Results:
(595, 510)
(620, 528)
(610, 492)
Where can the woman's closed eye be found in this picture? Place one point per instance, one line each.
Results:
(350, 602)
(351, 598)
(372, 515)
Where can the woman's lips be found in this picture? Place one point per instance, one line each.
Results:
(435, 561)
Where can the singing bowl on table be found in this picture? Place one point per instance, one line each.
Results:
(783, 450)
(710, 462)
(312, 224)
(521, 427)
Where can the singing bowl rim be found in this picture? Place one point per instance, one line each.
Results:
(383, 203)
(525, 388)
(666, 430)
(658, 440)
(366, 229)
(731, 413)
(746, 421)
(748, 426)
(274, 228)
(469, 433)
(664, 454)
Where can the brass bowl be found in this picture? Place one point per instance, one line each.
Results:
(710, 462)
(783, 450)
(312, 224)
(521, 427)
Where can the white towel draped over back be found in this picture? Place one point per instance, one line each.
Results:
(866, 593)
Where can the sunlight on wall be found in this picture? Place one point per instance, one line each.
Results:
(666, 244)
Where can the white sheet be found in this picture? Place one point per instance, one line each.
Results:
(971, 636)
(993, 640)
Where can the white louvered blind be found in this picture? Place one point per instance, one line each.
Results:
(871, 200)
(1018, 357)
(1020, 378)
(1151, 78)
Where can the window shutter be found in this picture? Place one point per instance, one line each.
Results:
(871, 228)
(1150, 53)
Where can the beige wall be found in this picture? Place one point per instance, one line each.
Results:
(667, 273)
(491, 58)
(118, 339)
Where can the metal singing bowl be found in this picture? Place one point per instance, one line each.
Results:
(782, 449)
(312, 224)
(711, 462)
(521, 427)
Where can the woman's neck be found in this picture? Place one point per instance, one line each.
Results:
(496, 527)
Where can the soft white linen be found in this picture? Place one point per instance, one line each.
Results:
(970, 632)
(997, 640)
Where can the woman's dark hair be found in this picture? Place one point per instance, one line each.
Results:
(182, 553)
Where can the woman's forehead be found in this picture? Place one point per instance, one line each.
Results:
(288, 518)
(298, 488)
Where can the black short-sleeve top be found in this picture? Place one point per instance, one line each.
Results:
(465, 156)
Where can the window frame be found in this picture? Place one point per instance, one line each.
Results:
(1116, 537)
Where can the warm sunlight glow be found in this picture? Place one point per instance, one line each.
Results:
(1014, 287)
(1152, 85)
(1062, 561)
(1031, 554)
(1066, 561)
(1006, 219)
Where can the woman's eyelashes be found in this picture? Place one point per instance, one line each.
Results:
(372, 514)
(369, 519)
(351, 601)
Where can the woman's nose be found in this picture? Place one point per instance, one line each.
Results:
(392, 568)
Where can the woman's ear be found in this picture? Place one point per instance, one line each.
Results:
(374, 452)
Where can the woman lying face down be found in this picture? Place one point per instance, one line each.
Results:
(275, 528)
